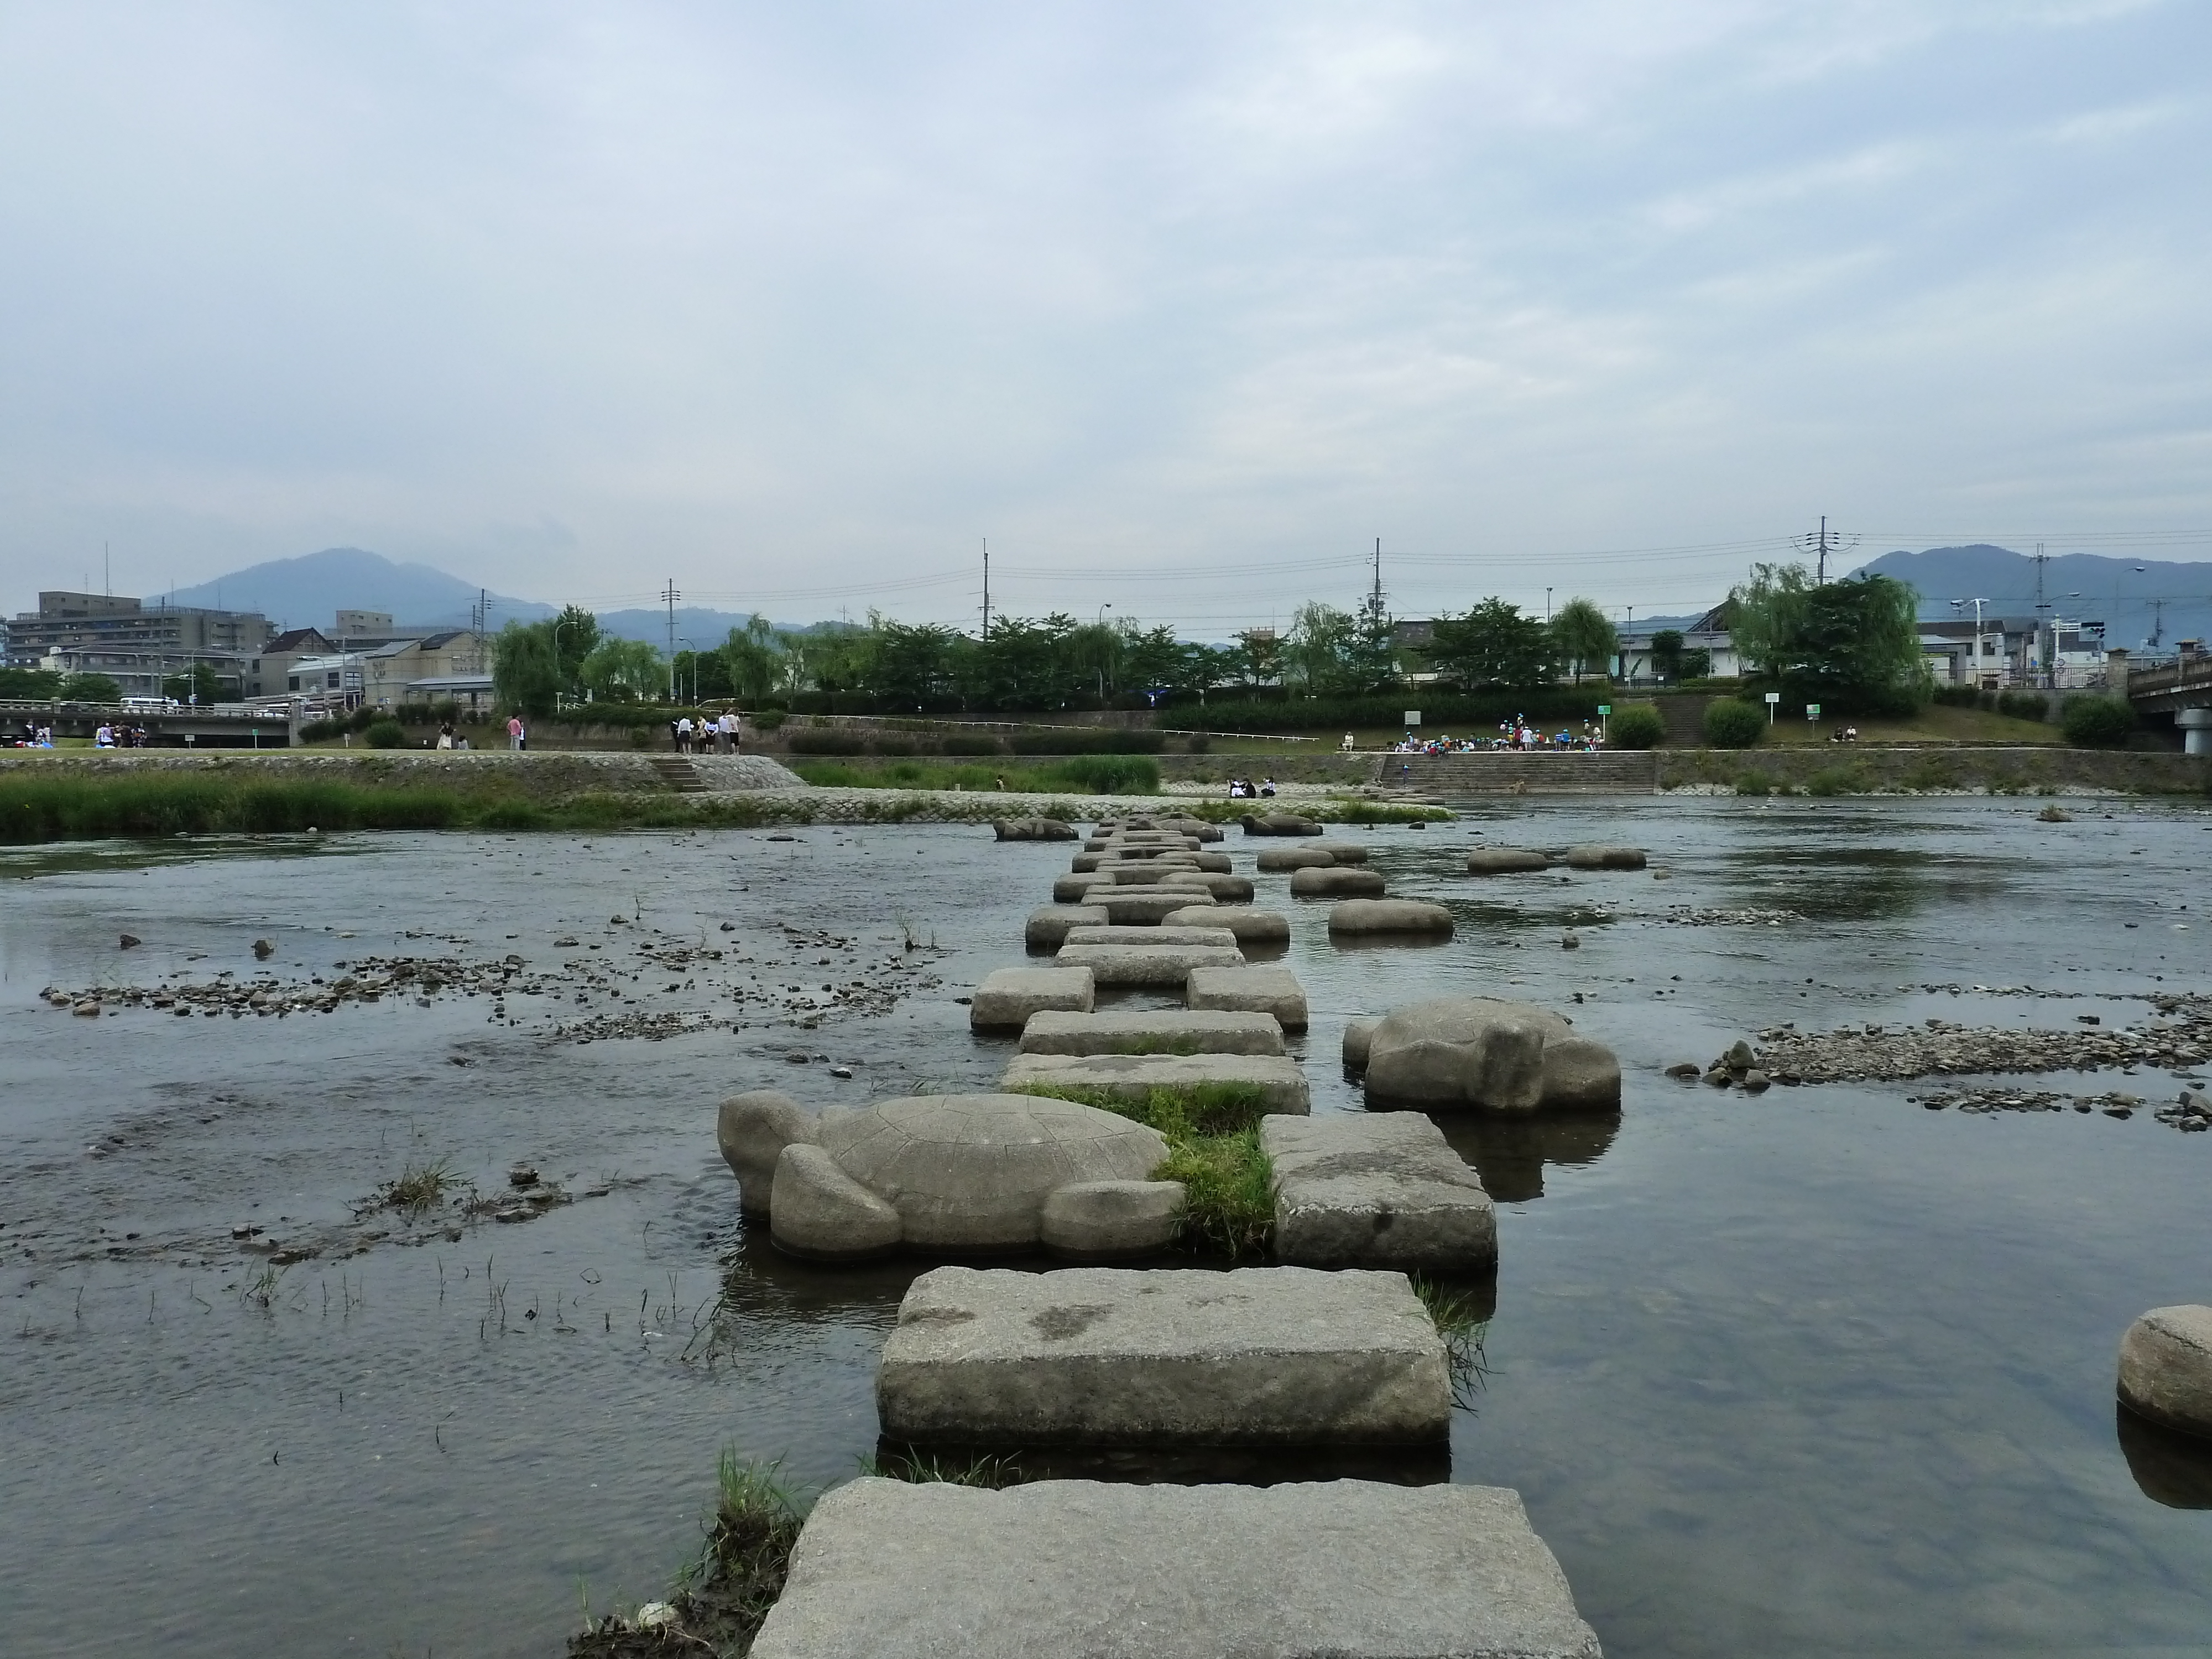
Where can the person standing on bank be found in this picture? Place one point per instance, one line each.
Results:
(515, 735)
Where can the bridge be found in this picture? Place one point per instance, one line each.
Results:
(220, 726)
(2182, 689)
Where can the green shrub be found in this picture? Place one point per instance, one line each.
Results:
(1956, 696)
(962, 743)
(1637, 726)
(1105, 775)
(890, 746)
(1730, 723)
(766, 719)
(1089, 740)
(1198, 743)
(1754, 783)
(819, 740)
(385, 734)
(1832, 780)
(2095, 722)
(2023, 705)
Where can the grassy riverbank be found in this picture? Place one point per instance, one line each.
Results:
(1102, 774)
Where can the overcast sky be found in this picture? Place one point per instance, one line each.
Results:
(1180, 305)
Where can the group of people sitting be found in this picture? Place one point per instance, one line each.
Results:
(1844, 734)
(1245, 789)
(694, 737)
(114, 734)
(34, 736)
(1516, 733)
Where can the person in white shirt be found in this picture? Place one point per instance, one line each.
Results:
(683, 734)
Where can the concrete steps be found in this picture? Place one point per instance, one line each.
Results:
(678, 774)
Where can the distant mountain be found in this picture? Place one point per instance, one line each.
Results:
(2143, 603)
(308, 591)
(705, 629)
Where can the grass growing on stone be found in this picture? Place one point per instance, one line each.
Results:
(418, 1186)
(1462, 1322)
(722, 1596)
(1212, 1132)
(991, 1471)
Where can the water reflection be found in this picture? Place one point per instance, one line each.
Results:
(2172, 1470)
(1834, 883)
(1510, 1153)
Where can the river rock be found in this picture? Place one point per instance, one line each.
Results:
(1165, 933)
(1076, 889)
(1281, 1084)
(1112, 1220)
(1352, 918)
(1279, 824)
(1504, 860)
(1605, 858)
(2165, 1368)
(1340, 1570)
(1248, 927)
(1225, 890)
(1048, 927)
(1147, 964)
(1337, 883)
(1156, 1031)
(1007, 999)
(752, 1130)
(1104, 1356)
(1478, 1051)
(1358, 1035)
(1275, 859)
(1378, 1189)
(819, 1211)
(1344, 852)
(1031, 830)
(964, 1175)
(1214, 864)
(1273, 992)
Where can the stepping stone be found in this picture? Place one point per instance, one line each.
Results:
(1008, 998)
(1074, 889)
(1048, 927)
(1249, 927)
(1154, 1031)
(1379, 1190)
(1138, 906)
(1504, 861)
(1173, 1356)
(1605, 858)
(1132, 1076)
(1226, 889)
(1355, 917)
(1148, 965)
(1337, 1569)
(1146, 873)
(1106, 933)
(2165, 1368)
(1274, 991)
(1337, 883)
(1276, 859)
(1344, 852)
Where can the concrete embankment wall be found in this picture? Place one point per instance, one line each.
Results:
(1857, 768)
(538, 775)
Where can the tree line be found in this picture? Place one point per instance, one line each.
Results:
(1854, 641)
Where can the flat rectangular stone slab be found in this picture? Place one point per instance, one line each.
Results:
(1143, 906)
(1048, 927)
(1147, 964)
(1250, 927)
(1376, 1189)
(1172, 1357)
(1095, 933)
(1007, 999)
(1274, 991)
(1134, 1075)
(1152, 1031)
(1340, 1570)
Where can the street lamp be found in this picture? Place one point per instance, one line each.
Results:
(1978, 605)
(680, 639)
(1547, 605)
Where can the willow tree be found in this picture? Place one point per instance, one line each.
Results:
(1851, 646)
(1581, 635)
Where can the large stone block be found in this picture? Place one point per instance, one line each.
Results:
(1605, 858)
(1504, 861)
(1112, 1220)
(818, 1211)
(1048, 926)
(1099, 1355)
(1276, 859)
(1360, 918)
(1336, 882)
(1226, 889)
(1132, 1076)
(1344, 852)
(1357, 1035)
(1031, 830)
(1138, 906)
(1250, 927)
(1150, 937)
(1272, 991)
(969, 1174)
(1279, 824)
(752, 1130)
(1166, 965)
(1005, 1000)
(1382, 1190)
(2165, 1368)
(1075, 889)
(1478, 1051)
(1336, 1569)
(1154, 1031)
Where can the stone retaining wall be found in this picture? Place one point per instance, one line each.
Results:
(1859, 768)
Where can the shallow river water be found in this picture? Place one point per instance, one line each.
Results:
(1821, 1372)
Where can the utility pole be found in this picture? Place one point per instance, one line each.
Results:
(1376, 599)
(670, 594)
(2042, 650)
(987, 590)
(1820, 545)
